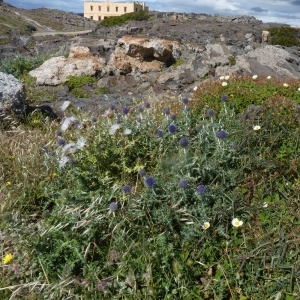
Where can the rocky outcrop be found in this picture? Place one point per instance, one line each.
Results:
(12, 92)
(57, 69)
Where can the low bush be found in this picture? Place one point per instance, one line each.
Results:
(120, 20)
(160, 200)
(285, 36)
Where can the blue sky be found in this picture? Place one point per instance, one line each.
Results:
(281, 11)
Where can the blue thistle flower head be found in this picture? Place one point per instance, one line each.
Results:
(211, 112)
(172, 128)
(150, 182)
(112, 106)
(201, 189)
(113, 206)
(146, 104)
(183, 183)
(173, 117)
(221, 134)
(185, 101)
(126, 189)
(61, 142)
(125, 110)
(142, 172)
(199, 128)
(183, 142)
(160, 133)
(224, 98)
(166, 111)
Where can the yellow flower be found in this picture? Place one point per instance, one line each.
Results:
(36, 121)
(8, 183)
(206, 225)
(7, 258)
(53, 175)
(236, 222)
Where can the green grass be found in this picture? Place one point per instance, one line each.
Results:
(81, 220)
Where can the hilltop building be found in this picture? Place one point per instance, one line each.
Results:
(100, 10)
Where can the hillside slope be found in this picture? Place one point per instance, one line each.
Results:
(25, 21)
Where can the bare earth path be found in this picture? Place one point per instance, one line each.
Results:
(45, 33)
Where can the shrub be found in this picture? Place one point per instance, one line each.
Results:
(120, 20)
(75, 82)
(20, 65)
(285, 36)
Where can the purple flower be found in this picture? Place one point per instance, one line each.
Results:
(142, 172)
(221, 134)
(185, 101)
(125, 110)
(183, 183)
(173, 117)
(224, 98)
(183, 142)
(211, 112)
(150, 182)
(58, 133)
(113, 206)
(199, 129)
(61, 142)
(172, 128)
(112, 106)
(147, 104)
(160, 133)
(126, 189)
(201, 189)
(76, 124)
(166, 111)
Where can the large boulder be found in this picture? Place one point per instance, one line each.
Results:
(57, 69)
(12, 91)
(143, 54)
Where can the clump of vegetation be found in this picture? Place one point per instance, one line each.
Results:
(178, 62)
(285, 36)
(75, 84)
(120, 20)
(20, 65)
(232, 60)
(160, 200)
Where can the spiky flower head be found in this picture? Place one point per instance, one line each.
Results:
(172, 128)
(183, 183)
(125, 110)
(211, 112)
(113, 206)
(183, 142)
(150, 182)
(201, 189)
(185, 101)
(126, 189)
(221, 134)
(160, 133)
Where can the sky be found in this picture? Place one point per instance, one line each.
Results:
(280, 11)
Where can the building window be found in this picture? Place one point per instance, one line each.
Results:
(117, 8)
(99, 8)
(99, 18)
(91, 7)
(135, 9)
(91, 17)
(107, 8)
(125, 9)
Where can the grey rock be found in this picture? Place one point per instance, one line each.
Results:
(12, 92)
